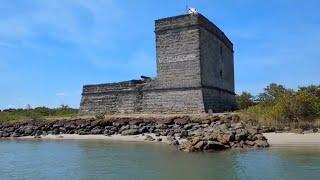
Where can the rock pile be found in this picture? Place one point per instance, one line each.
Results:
(205, 133)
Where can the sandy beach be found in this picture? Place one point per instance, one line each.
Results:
(274, 139)
(287, 139)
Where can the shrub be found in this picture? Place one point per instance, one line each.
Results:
(278, 104)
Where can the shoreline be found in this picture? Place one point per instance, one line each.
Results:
(274, 139)
(187, 133)
(116, 137)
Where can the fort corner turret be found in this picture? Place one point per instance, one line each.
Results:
(195, 73)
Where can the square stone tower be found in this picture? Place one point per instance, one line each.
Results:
(195, 73)
(193, 52)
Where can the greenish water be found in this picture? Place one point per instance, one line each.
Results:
(84, 159)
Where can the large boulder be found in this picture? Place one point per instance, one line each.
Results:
(96, 131)
(63, 130)
(214, 145)
(149, 138)
(241, 136)
(15, 134)
(261, 143)
(108, 132)
(28, 130)
(199, 145)
(259, 137)
(182, 120)
(10, 129)
(130, 132)
(55, 132)
(161, 126)
(184, 134)
(95, 123)
(5, 134)
(70, 126)
(135, 122)
(188, 126)
(143, 129)
(186, 146)
(226, 138)
(38, 133)
(123, 128)
(237, 125)
(119, 123)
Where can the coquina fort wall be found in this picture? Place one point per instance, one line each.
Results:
(195, 74)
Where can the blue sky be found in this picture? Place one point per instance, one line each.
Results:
(50, 48)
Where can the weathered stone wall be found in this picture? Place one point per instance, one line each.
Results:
(217, 68)
(216, 62)
(174, 101)
(136, 99)
(123, 97)
(217, 100)
(177, 42)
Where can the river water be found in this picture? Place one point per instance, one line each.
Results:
(99, 159)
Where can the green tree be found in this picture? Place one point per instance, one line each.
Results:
(272, 92)
(312, 89)
(245, 100)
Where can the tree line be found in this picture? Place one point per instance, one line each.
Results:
(281, 104)
(12, 114)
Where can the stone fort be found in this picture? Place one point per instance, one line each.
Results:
(195, 74)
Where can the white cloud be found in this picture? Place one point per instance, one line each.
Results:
(84, 23)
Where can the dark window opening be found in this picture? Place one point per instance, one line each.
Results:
(220, 73)
(221, 50)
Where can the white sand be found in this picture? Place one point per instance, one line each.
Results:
(292, 139)
(117, 137)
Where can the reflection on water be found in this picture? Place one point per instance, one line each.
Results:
(72, 159)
